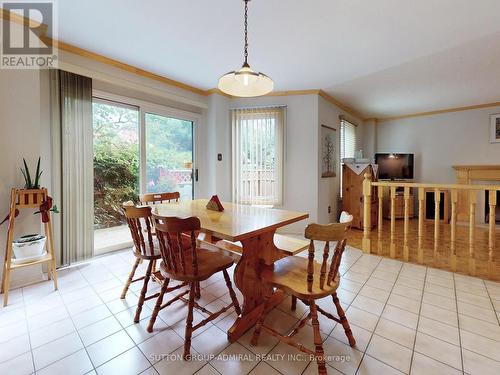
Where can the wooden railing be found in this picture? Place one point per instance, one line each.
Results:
(462, 195)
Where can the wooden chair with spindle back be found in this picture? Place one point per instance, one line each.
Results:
(146, 247)
(309, 280)
(161, 198)
(190, 267)
(157, 198)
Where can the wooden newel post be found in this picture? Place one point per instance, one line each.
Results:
(367, 225)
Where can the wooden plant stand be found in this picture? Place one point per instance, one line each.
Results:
(19, 199)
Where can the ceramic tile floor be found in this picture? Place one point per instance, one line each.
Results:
(406, 319)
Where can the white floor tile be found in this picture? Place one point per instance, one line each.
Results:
(439, 330)
(14, 347)
(372, 366)
(97, 331)
(396, 332)
(390, 353)
(235, 359)
(476, 364)
(52, 332)
(423, 365)
(20, 365)
(132, 362)
(481, 345)
(74, 364)
(110, 347)
(56, 350)
(439, 350)
(160, 345)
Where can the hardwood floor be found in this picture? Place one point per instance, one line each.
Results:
(436, 256)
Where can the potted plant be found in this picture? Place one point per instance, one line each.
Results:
(32, 246)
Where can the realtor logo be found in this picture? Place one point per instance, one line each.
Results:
(27, 31)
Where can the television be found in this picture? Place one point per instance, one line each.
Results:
(394, 166)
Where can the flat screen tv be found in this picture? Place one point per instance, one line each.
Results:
(394, 166)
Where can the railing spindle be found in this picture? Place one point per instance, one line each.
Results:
(421, 203)
(380, 190)
(492, 224)
(472, 230)
(437, 200)
(393, 221)
(367, 225)
(406, 250)
(453, 234)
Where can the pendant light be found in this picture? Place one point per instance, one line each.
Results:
(245, 82)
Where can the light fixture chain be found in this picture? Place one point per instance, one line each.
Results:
(246, 31)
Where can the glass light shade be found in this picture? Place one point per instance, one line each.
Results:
(245, 83)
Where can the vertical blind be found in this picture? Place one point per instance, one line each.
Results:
(257, 145)
(347, 139)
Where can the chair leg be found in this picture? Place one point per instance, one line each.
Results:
(318, 342)
(198, 290)
(294, 303)
(260, 321)
(231, 292)
(343, 320)
(143, 292)
(130, 278)
(189, 322)
(157, 308)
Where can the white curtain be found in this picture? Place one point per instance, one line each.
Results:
(72, 160)
(258, 148)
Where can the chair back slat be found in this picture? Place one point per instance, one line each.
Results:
(156, 198)
(170, 231)
(322, 276)
(136, 218)
(335, 232)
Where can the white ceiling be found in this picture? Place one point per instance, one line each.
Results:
(382, 57)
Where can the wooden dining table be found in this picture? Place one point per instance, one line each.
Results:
(254, 227)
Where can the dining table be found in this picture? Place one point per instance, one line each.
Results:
(254, 227)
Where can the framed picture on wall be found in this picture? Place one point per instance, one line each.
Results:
(328, 151)
(495, 128)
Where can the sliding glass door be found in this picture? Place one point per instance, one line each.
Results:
(168, 155)
(137, 149)
(116, 171)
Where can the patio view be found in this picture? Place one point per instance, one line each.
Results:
(118, 164)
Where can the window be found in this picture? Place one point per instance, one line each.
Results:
(139, 147)
(347, 143)
(258, 136)
(347, 139)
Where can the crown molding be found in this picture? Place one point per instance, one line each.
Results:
(341, 105)
(440, 111)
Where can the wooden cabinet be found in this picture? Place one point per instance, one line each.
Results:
(399, 205)
(352, 193)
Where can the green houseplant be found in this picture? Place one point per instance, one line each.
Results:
(29, 183)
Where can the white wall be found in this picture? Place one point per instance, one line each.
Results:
(329, 188)
(441, 141)
(20, 122)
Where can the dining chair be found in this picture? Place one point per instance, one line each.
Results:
(309, 280)
(190, 267)
(160, 198)
(157, 198)
(146, 248)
